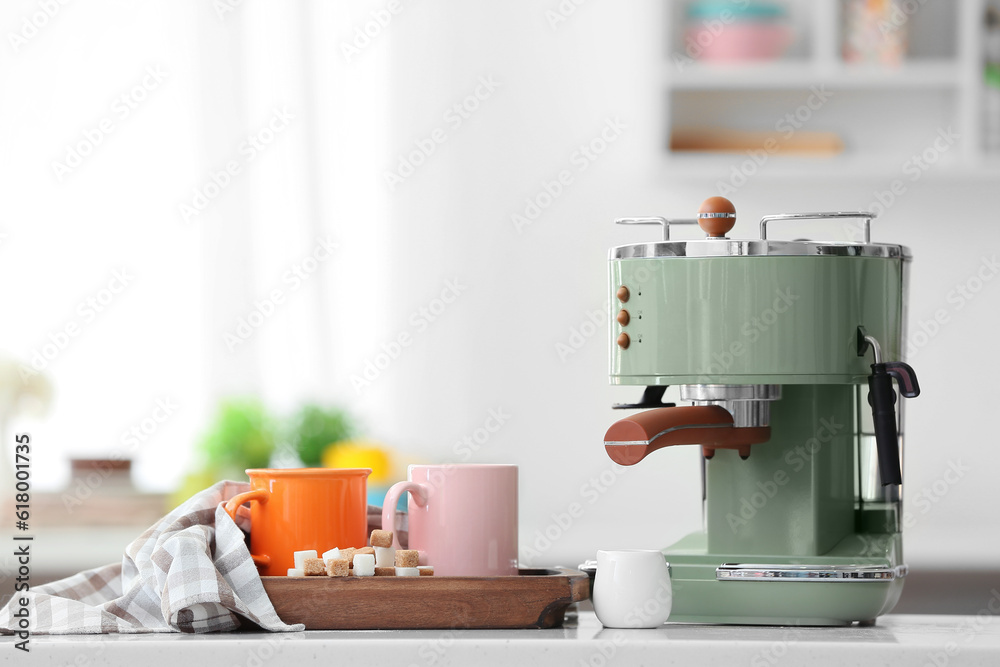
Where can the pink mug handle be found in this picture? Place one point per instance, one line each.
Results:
(419, 493)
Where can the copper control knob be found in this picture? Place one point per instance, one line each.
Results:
(623, 317)
(623, 294)
(623, 341)
(716, 216)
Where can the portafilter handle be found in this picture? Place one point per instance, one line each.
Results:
(882, 399)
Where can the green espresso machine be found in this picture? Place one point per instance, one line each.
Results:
(784, 353)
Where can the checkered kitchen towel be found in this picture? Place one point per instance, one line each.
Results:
(190, 572)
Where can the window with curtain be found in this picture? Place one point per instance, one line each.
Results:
(191, 208)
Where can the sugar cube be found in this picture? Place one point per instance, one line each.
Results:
(385, 571)
(407, 572)
(349, 555)
(332, 554)
(426, 570)
(295, 572)
(385, 556)
(338, 567)
(364, 565)
(381, 538)
(365, 550)
(300, 558)
(314, 567)
(407, 558)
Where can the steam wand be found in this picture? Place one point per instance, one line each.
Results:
(882, 399)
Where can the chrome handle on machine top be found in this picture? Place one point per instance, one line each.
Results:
(864, 215)
(657, 220)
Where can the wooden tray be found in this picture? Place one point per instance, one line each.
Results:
(535, 599)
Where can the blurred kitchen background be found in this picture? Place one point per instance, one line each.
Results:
(238, 232)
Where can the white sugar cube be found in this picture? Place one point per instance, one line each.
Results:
(300, 558)
(407, 571)
(364, 565)
(296, 572)
(332, 554)
(385, 557)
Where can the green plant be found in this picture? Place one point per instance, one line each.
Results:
(242, 436)
(313, 428)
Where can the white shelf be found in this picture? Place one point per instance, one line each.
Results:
(883, 115)
(804, 74)
(843, 167)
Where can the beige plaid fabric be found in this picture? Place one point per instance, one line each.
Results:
(190, 572)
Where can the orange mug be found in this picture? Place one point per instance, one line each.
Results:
(297, 509)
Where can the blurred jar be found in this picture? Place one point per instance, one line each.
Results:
(736, 30)
(876, 31)
(364, 454)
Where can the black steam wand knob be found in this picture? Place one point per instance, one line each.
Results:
(882, 399)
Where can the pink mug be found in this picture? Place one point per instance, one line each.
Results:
(463, 517)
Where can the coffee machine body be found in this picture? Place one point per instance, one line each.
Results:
(772, 344)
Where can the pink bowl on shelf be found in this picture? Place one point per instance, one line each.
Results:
(751, 40)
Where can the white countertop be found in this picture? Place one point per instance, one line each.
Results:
(908, 640)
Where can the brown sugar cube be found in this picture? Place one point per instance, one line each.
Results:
(314, 567)
(385, 572)
(381, 538)
(348, 554)
(426, 570)
(365, 550)
(407, 558)
(338, 567)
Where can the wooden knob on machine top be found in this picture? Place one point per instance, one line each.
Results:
(716, 216)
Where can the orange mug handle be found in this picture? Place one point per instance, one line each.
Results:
(261, 496)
